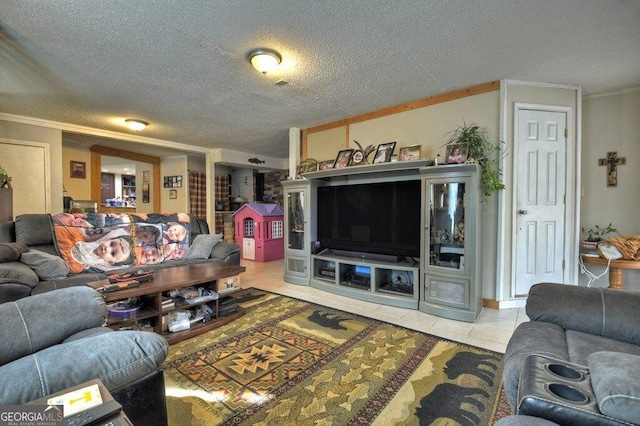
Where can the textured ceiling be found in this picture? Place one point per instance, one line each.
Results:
(181, 65)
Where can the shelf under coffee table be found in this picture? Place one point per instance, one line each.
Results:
(172, 278)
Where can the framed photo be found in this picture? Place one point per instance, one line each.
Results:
(145, 192)
(342, 160)
(299, 171)
(384, 152)
(410, 152)
(146, 175)
(173, 194)
(456, 154)
(78, 169)
(326, 165)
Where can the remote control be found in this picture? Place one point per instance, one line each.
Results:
(94, 414)
(120, 286)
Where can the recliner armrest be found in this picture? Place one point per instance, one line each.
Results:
(33, 323)
(599, 311)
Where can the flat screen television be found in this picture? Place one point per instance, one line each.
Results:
(377, 218)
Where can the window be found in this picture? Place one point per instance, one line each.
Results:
(248, 227)
(276, 229)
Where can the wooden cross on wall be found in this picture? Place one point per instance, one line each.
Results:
(612, 162)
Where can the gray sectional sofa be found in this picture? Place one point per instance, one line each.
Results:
(595, 331)
(18, 280)
(56, 340)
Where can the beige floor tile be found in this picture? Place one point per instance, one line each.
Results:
(491, 331)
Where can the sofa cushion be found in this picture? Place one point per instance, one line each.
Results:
(224, 249)
(602, 311)
(615, 378)
(10, 252)
(55, 312)
(45, 265)
(201, 246)
(581, 345)
(34, 229)
(18, 273)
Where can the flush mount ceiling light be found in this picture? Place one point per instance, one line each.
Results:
(264, 60)
(136, 125)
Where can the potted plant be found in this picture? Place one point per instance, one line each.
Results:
(596, 234)
(5, 179)
(480, 149)
(6, 196)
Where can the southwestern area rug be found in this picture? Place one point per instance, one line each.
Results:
(291, 362)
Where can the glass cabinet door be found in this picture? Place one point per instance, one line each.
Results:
(446, 224)
(296, 220)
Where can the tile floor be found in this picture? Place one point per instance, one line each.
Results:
(492, 329)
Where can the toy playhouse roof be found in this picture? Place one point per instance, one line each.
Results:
(263, 209)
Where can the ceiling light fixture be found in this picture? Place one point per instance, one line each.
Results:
(136, 125)
(264, 60)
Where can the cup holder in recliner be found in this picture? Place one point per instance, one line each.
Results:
(568, 393)
(565, 372)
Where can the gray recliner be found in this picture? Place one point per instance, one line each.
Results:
(597, 329)
(55, 340)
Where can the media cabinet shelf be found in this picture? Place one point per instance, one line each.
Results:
(377, 281)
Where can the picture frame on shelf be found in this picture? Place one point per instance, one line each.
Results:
(78, 169)
(343, 158)
(384, 152)
(357, 158)
(326, 165)
(456, 154)
(412, 152)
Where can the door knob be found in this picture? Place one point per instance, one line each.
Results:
(523, 212)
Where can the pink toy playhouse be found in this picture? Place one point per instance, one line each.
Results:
(259, 230)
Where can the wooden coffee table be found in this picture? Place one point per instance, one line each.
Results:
(164, 280)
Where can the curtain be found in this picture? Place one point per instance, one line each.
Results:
(198, 194)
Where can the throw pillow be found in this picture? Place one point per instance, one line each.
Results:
(615, 378)
(10, 252)
(221, 251)
(46, 266)
(201, 246)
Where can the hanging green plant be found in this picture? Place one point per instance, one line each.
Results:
(481, 150)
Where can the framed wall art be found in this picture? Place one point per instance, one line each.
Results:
(173, 194)
(173, 181)
(146, 175)
(145, 192)
(78, 169)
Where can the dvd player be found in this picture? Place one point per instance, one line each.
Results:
(327, 272)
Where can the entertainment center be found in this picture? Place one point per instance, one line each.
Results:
(403, 234)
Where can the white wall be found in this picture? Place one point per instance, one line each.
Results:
(611, 122)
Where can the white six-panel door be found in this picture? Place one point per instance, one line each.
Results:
(540, 148)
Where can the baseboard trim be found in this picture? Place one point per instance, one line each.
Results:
(505, 304)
